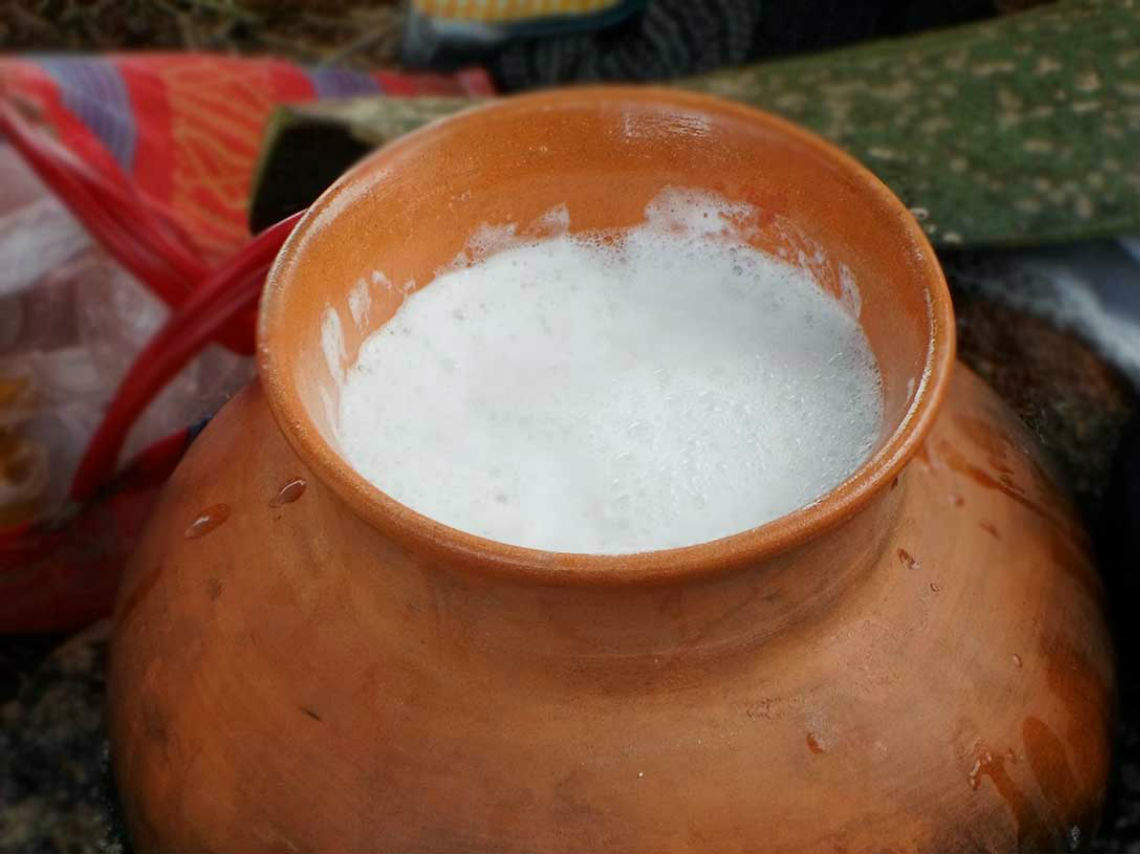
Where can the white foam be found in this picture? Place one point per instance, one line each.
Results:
(658, 387)
(359, 301)
(332, 343)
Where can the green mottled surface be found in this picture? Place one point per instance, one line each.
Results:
(1020, 129)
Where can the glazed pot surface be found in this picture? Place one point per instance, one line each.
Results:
(917, 661)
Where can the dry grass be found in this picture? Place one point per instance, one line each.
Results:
(361, 33)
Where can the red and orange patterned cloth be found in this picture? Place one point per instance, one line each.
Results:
(187, 126)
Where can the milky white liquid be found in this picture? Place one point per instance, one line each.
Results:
(668, 388)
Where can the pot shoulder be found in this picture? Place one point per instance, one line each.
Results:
(288, 678)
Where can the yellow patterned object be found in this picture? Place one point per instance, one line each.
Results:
(511, 11)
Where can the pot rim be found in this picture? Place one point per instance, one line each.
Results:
(745, 548)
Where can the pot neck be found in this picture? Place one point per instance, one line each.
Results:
(702, 617)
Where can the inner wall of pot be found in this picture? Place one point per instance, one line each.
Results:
(392, 223)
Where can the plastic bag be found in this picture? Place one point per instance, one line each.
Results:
(72, 322)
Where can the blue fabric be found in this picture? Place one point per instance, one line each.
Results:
(339, 83)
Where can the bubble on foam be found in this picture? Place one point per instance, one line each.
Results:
(488, 239)
(697, 213)
(461, 260)
(554, 222)
(615, 392)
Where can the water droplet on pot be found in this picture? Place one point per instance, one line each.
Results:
(1016, 660)
(208, 520)
(289, 493)
(981, 765)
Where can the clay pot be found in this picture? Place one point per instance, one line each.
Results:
(917, 661)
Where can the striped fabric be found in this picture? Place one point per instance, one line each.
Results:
(187, 127)
(505, 11)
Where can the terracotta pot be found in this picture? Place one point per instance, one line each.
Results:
(918, 661)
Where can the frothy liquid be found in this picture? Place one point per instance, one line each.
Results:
(665, 386)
